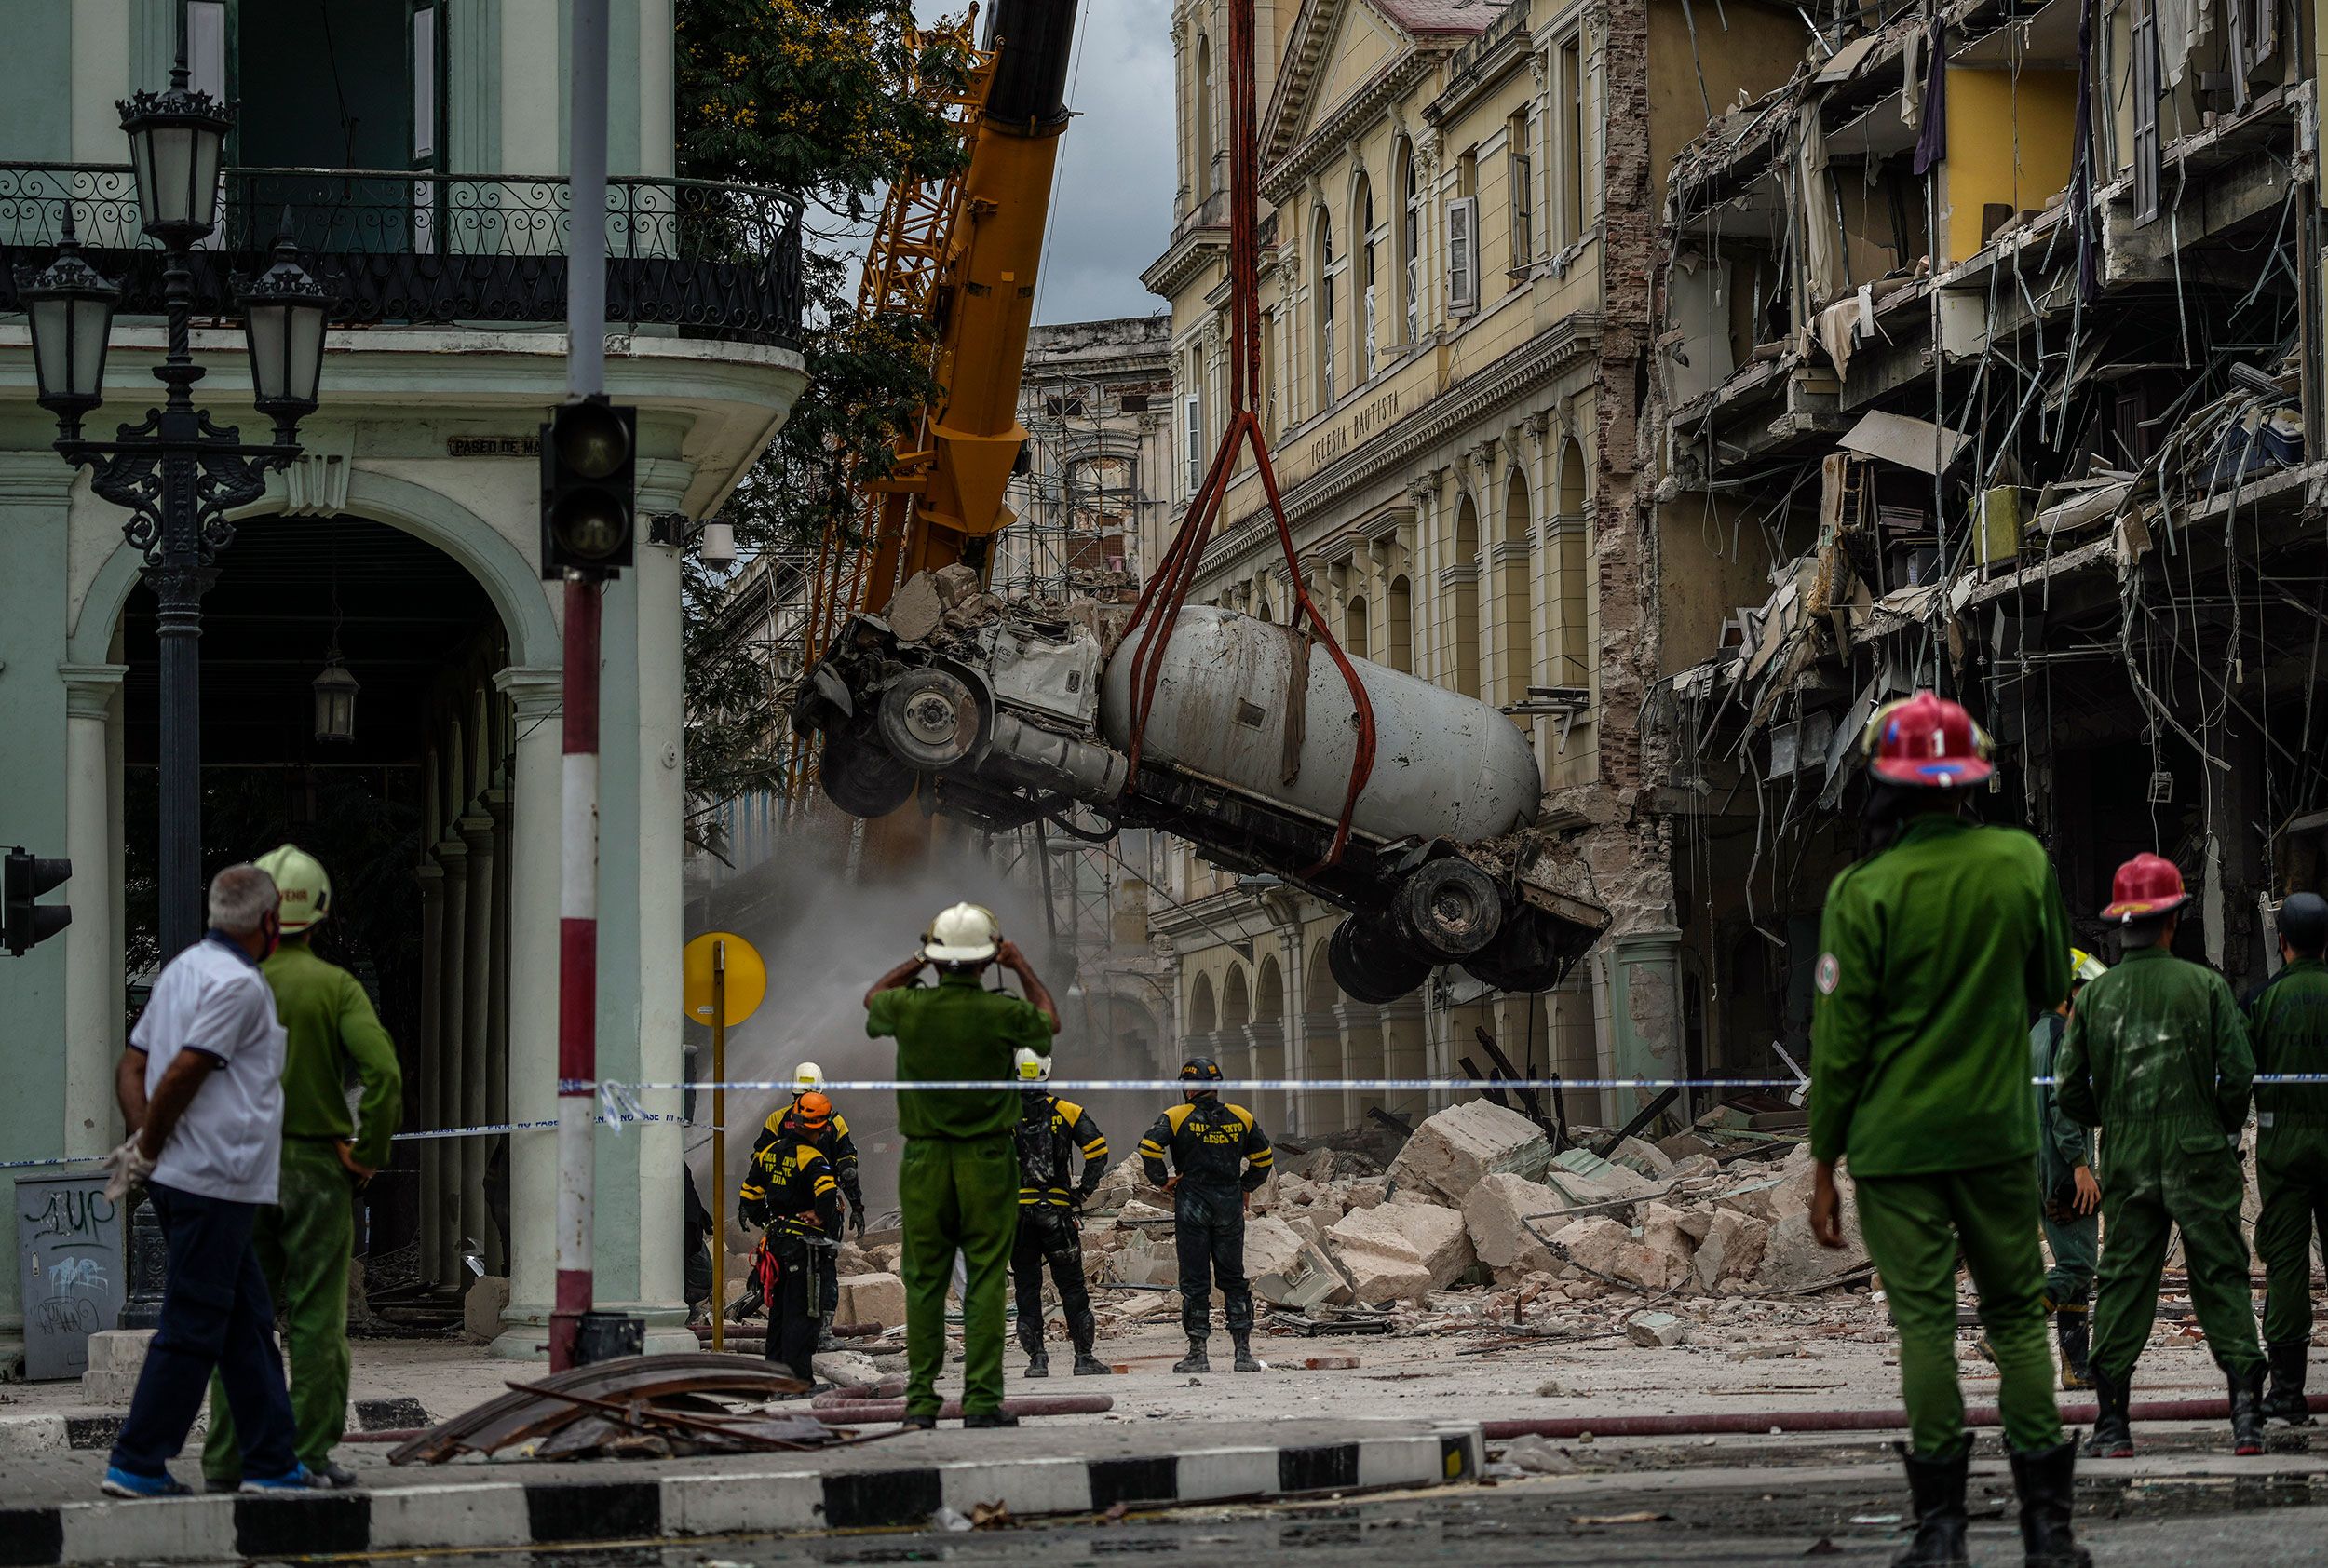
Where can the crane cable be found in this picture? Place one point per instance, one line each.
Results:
(1167, 592)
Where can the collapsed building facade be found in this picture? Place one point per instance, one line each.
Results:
(1988, 360)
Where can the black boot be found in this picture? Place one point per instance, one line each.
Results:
(1196, 1361)
(1938, 1487)
(1089, 1365)
(2073, 1325)
(2047, 1482)
(2113, 1434)
(1038, 1365)
(1245, 1362)
(2247, 1411)
(2286, 1401)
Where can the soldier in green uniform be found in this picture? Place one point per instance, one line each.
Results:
(2288, 1020)
(307, 1236)
(2156, 1057)
(958, 1183)
(1934, 954)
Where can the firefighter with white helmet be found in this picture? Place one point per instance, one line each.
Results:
(1052, 1134)
(959, 1178)
(307, 1235)
(829, 1134)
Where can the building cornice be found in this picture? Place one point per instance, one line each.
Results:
(1190, 249)
(1283, 178)
(1480, 65)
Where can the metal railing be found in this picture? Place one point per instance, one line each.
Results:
(412, 247)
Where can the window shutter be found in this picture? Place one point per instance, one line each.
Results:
(1413, 298)
(2145, 64)
(1192, 425)
(1463, 255)
(1371, 338)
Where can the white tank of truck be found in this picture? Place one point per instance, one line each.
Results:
(1446, 766)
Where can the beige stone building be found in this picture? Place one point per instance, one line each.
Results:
(1459, 205)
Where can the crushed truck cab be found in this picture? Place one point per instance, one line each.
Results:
(1013, 713)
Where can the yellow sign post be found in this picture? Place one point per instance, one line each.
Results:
(723, 981)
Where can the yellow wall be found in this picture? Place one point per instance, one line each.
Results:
(2009, 141)
(1757, 50)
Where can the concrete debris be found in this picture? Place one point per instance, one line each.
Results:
(1400, 1252)
(1657, 1330)
(1452, 1149)
(1583, 1179)
(1538, 1456)
(1497, 1213)
(870, 1298)
(482, 1306)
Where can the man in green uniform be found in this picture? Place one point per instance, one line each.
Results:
(2288, 1020)
(958, 1183)
(1934, 953)
(2066, 1183)
(306, 1239)
(2156, 1057)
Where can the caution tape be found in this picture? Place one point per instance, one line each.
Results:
(627, 1094)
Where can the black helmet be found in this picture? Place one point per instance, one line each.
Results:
(2303, 924)
(1199, 1070)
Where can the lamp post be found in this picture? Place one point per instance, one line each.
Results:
(176, 472)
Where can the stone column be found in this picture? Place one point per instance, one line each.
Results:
(1315, 1110)
(1361, 1026)
(92, 1001)
(1406, 1054)
(443, 1255)
(1268, 1037)
(421, 1105)
(476, 828)
(1644, 1015)
(532, 1081)
(496, 802)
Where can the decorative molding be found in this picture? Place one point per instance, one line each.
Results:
(315, 483)
(1283, 173)
(89, 688)
(534, 692)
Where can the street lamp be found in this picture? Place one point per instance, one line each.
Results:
(176, 472)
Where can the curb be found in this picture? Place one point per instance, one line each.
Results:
(24, 1436)
(561, 1512)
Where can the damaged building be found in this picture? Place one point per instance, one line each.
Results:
(1988, 360)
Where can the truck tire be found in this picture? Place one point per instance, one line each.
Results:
(1449, 908)
(929, 719)
(1526, 957)
(863, 780)
(1371, 964)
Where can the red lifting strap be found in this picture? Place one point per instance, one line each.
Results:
(1168, 589)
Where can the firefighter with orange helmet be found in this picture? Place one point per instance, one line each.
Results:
(2157, 1056)
(1934, 953)
(789, 1192)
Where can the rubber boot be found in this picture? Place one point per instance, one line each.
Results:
(826, 1343)
(1196, 1361)
(1245, 1362)
(1937, 1486)
(2046, 1480)
(2072, 1326)
(2113, 1436)
(1038, 1365)
(2247, 1411)
(2286, 1401)
(1089, 1365)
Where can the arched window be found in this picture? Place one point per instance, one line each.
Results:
(1322, 297)
(1515, 631)
(1236, 999)
(1409, 260)
(1205, 148)
(1203, 1017)
(1363, 209)
(1398, 625)
(1572, 647)
(1464, 662)
(1354, 629)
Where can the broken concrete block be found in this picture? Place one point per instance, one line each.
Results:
(1793, 1260)
(482, 1308)
(1364, 1193)
(1592, 1243)
(1770, 1199)
(1452, 1149)
(1337, 1164)
(1492, 1213)
(1645, 1158)
(844, 1368)
(1696, 1165)
(1314, 1279)
(1656, 1330)
(872, 1298)
(1141, 1210)
(121, 1349)
(1271, 1246)
(1580, 1177)
(1379, 1260)
(1665, 1228)
(1124, 1179)
(1696, 1221)
(915, 609)
(1730, 1250)
(1430, 1236)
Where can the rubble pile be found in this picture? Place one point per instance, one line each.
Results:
(1477, 1218)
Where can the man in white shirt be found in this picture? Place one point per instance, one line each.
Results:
(201, 1094)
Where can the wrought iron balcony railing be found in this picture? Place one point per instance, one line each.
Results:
(420, 248)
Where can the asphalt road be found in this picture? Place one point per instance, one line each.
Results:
(2153, 1525)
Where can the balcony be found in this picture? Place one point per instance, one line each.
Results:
(400, 248)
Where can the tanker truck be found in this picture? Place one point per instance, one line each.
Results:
(999, 715)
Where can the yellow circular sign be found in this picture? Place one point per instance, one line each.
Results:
(747, 976)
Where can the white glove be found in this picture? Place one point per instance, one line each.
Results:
(126, 1167)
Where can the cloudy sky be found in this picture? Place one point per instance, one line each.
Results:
(1111, 212)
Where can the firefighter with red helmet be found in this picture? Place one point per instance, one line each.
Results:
(1935, 953)
(2157, 1056)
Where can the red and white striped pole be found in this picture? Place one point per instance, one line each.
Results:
(577, 895)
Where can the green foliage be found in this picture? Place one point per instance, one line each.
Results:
(828, 100)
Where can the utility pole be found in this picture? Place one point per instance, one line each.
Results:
(578, 903)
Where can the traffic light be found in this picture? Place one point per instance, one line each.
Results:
(28, 923)
(589, 462)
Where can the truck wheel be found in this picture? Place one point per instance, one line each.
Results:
(1526, 957)
(1370, 966)
(1449, 908)
(929, 719)
(861, 780)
